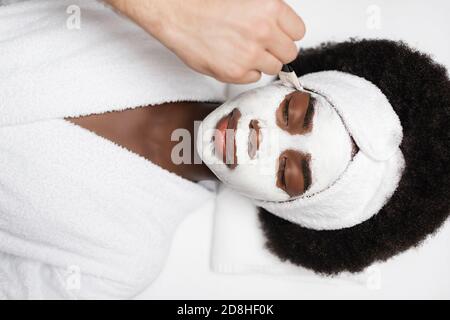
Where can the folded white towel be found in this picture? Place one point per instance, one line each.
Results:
(81, 217)
(238, 245)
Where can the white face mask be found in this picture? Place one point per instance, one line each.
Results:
(326, 147)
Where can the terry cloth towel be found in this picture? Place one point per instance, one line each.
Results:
(239, 246)
(81, 217)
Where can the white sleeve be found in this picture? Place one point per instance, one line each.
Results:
(22, 278)
(72, 202)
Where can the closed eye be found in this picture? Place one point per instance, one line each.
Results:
(309, 113)
(286, 112)
(294, 174)
(306, 174)
(295, 113)
(282, 171)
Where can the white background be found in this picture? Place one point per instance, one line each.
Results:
(422, 272)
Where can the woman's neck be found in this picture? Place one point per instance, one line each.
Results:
(163, 134)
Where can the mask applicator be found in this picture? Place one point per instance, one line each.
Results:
(289, 78)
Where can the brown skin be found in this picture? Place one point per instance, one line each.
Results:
(294, 175)
(294, 116)
(147, 132)
(295, 112)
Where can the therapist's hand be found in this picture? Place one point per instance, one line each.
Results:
(230, 40)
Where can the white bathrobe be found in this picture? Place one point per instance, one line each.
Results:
(81, 217)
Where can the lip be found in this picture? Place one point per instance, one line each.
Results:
(226, 128)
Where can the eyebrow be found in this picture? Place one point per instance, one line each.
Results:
(306, 174)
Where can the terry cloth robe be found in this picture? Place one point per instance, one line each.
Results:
(81, 217)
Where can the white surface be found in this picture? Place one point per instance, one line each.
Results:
(417, 273)
(422, 272)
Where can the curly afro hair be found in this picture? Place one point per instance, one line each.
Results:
(419, 91)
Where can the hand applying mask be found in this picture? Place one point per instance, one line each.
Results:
(233, 41)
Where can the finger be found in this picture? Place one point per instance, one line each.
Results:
(291, 23)
(268, 64)
(282, 47)
(249, 77)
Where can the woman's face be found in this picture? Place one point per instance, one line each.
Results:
(275, 143)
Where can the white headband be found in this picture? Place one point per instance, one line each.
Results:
(374, 173)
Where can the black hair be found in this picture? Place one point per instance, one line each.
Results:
(419, 90)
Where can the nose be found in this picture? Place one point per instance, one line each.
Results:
(253, 138)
